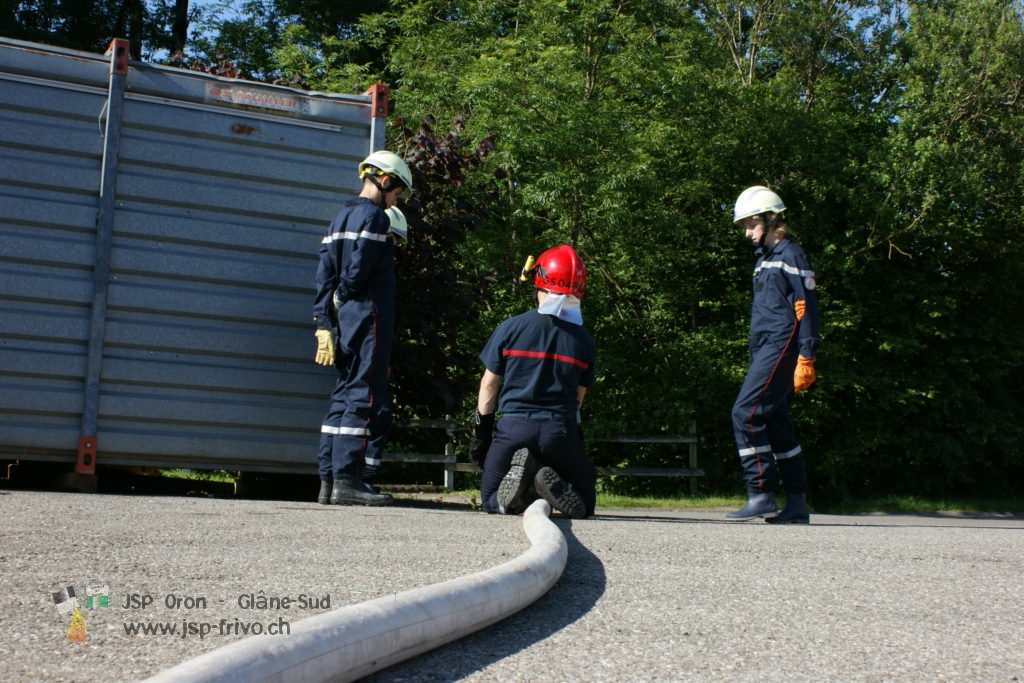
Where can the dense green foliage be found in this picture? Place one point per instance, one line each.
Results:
(151, 26)
(893, 130)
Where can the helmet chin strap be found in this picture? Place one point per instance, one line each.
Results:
(381, 190)
(769, 224)
(380, 193)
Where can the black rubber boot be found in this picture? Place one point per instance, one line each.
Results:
(758, 505)
(795, 512)
(761, 475)
(352, 492)
(325, 493)
(793, 472)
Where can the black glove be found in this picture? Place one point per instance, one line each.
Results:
(483, 433)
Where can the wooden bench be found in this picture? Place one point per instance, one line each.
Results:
(691, 440)
(449, 458)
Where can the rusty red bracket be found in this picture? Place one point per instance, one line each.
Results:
(379, 100)
(118, 47)
(86, 455)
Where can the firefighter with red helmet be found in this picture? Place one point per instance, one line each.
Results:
(783, 347)
(354, 313)
(537, 368)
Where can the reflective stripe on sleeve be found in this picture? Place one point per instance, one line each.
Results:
(786, 268)
(364, 235)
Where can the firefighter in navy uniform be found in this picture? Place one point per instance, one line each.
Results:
(538, 367)
(783, 347)
(354, 312)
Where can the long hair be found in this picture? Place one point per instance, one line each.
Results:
(777, 224)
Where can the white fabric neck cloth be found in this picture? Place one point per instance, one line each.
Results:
(564, 306)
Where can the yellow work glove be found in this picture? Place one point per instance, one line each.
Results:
(798, 309)
(325, 347)
(804, 375)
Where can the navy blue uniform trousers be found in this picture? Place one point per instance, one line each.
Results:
(761, 420)
(358, 423)
(554, 440)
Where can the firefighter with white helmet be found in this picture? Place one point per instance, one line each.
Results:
(384, 164)
(399, 225)
(354, 313)
(537, 368)
(755, 201)
(783, 348)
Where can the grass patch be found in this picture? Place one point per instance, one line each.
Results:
(924, 506)
(609, 500)
(198, 475)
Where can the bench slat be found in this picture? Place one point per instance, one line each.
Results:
(657, 438)
(650, 471)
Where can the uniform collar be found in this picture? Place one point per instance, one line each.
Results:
(775, 248)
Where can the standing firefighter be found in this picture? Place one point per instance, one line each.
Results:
(538, 367)
(354, 312)
(783, 346)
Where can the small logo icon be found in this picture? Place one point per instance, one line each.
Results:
(65, 600)
(76, 629)
(97, 597)
(67, 603)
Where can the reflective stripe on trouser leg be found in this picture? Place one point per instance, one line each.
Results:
(345, 446)
(760, 416)
(760, 473)
(361, 401)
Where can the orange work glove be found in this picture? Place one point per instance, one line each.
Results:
(798, 309)
(804, 375)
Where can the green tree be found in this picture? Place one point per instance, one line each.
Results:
(892, 129)
(931, 367)
(149, 26)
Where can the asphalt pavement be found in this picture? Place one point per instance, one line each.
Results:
(647, 595)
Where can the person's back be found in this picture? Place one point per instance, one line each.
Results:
(544, 361)
(538, 367)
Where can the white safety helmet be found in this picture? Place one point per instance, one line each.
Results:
(383, 162)
(756, 200)
(399, 225)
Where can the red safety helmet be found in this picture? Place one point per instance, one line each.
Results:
(560, 271)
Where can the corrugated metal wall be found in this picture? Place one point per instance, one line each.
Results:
(216, 195)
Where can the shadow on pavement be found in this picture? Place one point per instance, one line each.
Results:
(573, 596)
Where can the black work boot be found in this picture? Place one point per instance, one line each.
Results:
(352, 492)
(325, 492)
(559, 493)
(514, 486)
(369, 477)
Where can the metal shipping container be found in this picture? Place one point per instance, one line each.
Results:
(158, 238)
